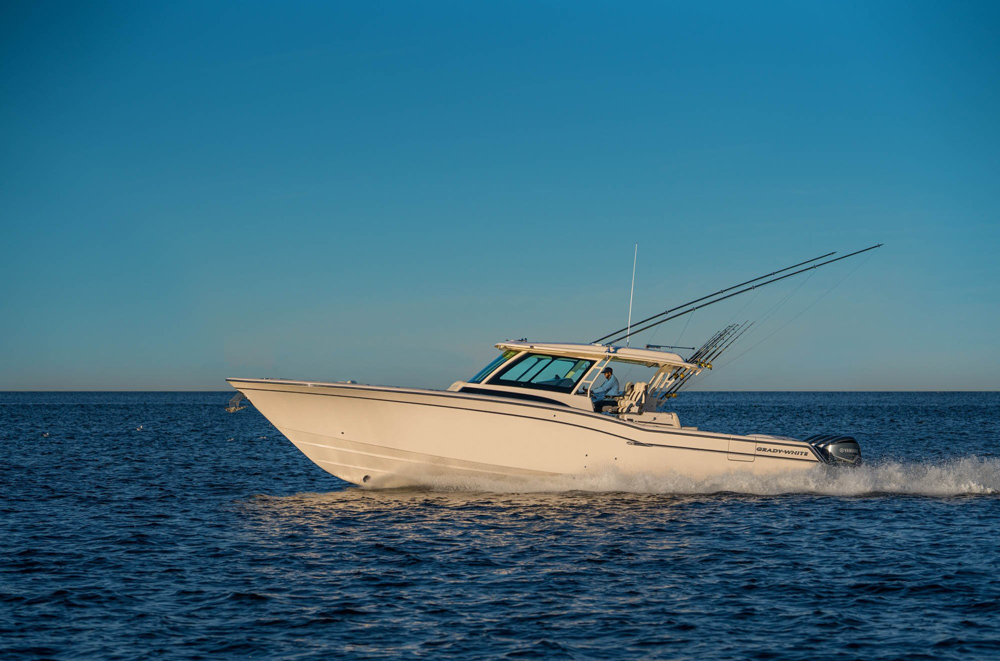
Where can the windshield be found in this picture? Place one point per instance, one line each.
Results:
(495, 363)
(544, 373)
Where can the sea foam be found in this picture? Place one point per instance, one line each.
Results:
(965, 476)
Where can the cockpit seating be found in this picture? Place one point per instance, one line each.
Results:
(634, 399)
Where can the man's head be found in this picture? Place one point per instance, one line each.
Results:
(608, 372)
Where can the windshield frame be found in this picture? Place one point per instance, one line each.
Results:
(580, 367)
(493, 365)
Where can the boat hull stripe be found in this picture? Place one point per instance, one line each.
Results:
(564, 411)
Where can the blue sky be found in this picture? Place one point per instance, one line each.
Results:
(381, 191)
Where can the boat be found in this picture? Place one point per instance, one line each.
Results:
(529, 416)
(525, 416)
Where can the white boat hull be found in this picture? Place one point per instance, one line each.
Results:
(398, 437)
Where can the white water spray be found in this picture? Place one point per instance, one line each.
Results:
(966, 476)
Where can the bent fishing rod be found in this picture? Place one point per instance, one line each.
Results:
(737, 293)
(721, 291)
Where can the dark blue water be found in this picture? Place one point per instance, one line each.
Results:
(206, 534)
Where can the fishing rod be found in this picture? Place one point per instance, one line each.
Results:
(737, 293)
(743, 328)
(717, 339)
(681, 374)
(698, 300)
(719, 349)
(667, 346)
(718, 335)
(706, 352)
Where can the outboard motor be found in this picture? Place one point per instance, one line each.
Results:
(837, 450)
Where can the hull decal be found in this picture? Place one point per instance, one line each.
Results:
(681, 447)
(514, 395)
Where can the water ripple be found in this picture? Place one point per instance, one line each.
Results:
(206, 534)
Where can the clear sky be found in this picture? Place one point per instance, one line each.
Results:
(380, 191)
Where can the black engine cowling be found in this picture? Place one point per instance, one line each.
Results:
(835, 449)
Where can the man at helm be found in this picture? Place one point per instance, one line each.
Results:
(602, 394)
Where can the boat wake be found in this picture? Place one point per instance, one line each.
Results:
(966, 476)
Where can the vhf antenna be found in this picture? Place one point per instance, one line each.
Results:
(631, 293)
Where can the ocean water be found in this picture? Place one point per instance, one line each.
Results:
(156, 525)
